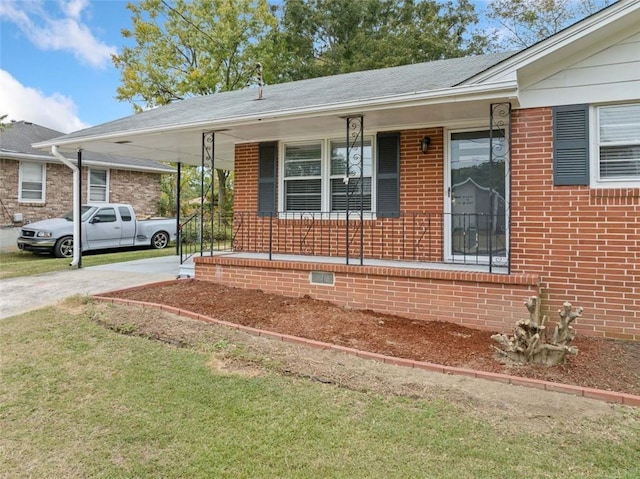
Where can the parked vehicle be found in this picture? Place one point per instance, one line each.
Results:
(106, 225)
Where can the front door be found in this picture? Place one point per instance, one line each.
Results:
(476, 205)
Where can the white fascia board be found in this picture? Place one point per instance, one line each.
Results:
(555, 42)
(496, 90)
(119, 166)
(101, 164)
(10, 155)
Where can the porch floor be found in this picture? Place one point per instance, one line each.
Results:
(187, 269)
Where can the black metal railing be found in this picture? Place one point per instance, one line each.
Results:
(433, 237)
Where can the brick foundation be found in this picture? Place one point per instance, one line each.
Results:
(486, 301)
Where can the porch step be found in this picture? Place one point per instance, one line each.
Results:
(187, 269)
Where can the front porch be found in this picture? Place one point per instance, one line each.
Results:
(428, 240)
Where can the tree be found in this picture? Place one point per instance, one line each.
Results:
(325, 37)
(191, 48)
(3, 125)
(525, 22)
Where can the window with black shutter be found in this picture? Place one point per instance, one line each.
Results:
(388, 176)
(571, 145)
(267, 161)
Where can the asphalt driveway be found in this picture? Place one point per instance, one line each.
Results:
(19, 295)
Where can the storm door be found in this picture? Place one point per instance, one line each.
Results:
(476, 202)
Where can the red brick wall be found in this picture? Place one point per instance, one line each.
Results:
(414, 237)
(141, 189)
(245, 190)
(585, 243)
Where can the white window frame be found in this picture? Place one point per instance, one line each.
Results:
(326, 177)
(43, 179)
(90, 186)
(282, 179)
(594, 152)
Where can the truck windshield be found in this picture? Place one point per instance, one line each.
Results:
(87, 211)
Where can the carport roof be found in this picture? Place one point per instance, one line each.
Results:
(17, 139)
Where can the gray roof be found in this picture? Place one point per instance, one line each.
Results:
(18, 137)
(304, 94)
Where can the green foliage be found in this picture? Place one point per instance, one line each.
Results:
(326, 37)
(3, 125)
(525, 22)
(190, 48)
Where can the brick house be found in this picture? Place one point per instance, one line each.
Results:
(451, 190)
(34, 185)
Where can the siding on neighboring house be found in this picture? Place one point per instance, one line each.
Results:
(141, 189)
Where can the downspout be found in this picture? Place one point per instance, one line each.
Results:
(76, 204)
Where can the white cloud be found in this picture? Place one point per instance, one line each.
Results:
(65, 32)
(74, 8)
(20, 102)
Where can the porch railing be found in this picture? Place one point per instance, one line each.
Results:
(432, 237)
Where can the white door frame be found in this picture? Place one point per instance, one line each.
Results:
(484, 259)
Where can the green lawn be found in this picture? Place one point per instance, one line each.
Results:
(79, 400)
(24, 263)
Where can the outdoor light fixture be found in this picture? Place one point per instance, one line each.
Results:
(424, 144)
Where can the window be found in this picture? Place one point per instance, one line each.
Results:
(125, 213)
(313, 177)
(303, 177)
(98, 185)
(32, 182)
(105, 215)
(338, 183)
(618, 143)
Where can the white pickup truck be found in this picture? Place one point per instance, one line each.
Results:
(105, 225)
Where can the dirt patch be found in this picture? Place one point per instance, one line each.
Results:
(603, 364)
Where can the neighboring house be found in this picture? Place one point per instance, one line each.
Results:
(34, 185)
(472, 183)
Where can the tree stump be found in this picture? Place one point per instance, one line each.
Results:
(529, 345)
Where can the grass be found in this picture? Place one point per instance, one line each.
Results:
(79, 400)
(25, 263)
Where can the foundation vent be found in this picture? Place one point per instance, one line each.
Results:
(322, 277)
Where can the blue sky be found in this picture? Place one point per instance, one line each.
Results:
(55, 61)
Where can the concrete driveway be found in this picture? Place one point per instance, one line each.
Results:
(19, 295)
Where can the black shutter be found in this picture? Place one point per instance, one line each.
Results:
(571, 145)
(267, 161)
(388, 175)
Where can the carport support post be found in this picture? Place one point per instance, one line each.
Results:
(178, 229)
(79, 212)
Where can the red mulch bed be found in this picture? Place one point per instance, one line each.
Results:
(603, 364)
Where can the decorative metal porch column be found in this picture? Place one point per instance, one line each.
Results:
(208, 150)
(354, 180)
(499, 151)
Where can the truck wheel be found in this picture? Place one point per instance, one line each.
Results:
(64, 247)
(160, 240)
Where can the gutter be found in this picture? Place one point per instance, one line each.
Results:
(417, 98)
(76, 204)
